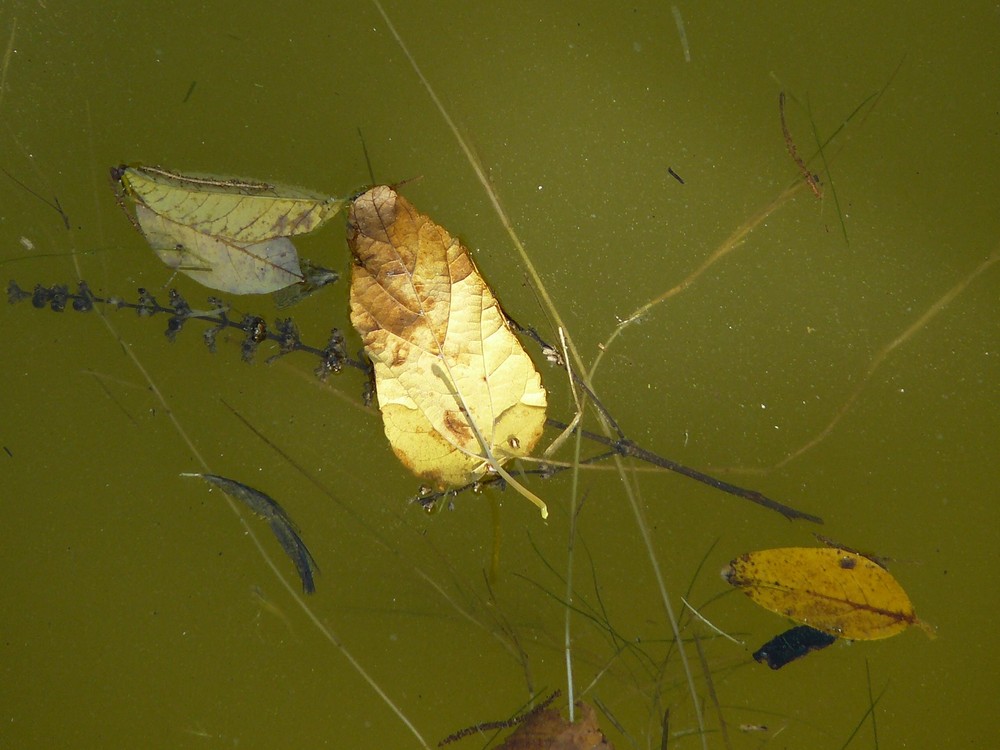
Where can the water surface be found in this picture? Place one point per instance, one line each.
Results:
(137, 611)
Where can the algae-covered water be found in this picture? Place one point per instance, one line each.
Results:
(138, 611)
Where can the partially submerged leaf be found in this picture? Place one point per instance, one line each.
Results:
(220, 263)
(284, 529)
(227, 234)
(240, 210)
(833, 590)
(454, 385)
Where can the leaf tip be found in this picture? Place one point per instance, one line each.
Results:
(929, 630)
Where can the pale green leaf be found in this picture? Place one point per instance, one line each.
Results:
(221, 264)
(243, 211)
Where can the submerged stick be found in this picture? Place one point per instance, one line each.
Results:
(793, 151)
(626, 448)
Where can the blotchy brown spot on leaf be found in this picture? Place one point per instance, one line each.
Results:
(547, 730)
(457, 427)
(441, 348)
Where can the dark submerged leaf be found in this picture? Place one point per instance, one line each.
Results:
(296, 549)
(791, 645)
(284, 529)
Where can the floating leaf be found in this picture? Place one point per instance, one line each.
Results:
(281, 524)
(833, 590)
(218, 263)
(227, 234)
(458, 393)
(240, 210)
(791, 645)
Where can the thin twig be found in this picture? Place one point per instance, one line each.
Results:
(882, 354)
(793, 152)
(712, 695)
(629, 449)
(54, 204)
(6, 60)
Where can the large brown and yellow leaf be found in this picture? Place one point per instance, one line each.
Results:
(833, 590)
(456, 390)
(243, 211)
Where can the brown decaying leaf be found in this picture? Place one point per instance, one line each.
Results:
(448, 370)
(548, 730)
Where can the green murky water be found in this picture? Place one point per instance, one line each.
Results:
(136, 610)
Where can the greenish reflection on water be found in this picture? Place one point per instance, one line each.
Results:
(137, 613)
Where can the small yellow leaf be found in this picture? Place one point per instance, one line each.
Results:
(454, 385)
(832, 590)
(243, 211)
